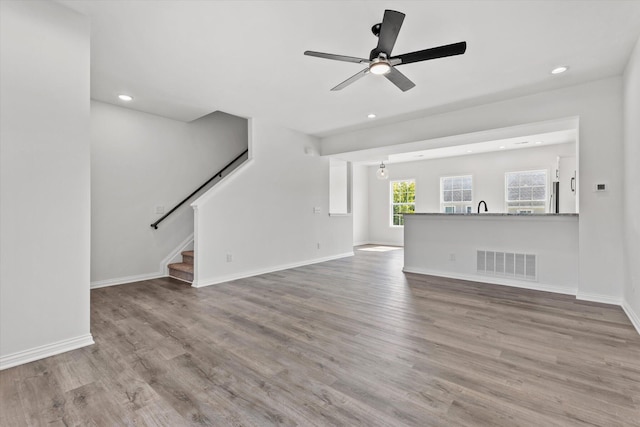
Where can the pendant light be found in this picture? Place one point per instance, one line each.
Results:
(382, 173)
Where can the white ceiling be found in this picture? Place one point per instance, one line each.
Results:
(532, 135)
(185, 59)
(507, 144)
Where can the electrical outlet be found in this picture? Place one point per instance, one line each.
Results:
(318, 245)
(452, 257)
(601, 186)
(229, 258)
(316, 209)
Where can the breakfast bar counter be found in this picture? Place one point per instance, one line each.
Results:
(536, 251)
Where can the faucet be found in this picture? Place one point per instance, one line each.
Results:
(485, 206)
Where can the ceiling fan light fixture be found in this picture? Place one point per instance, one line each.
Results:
(382, 173)
(379, 67)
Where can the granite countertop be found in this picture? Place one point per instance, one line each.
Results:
(493, 214)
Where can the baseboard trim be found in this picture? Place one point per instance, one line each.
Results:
(163, 270)
(534, 286)
(125, 280)
(604, 299)
(43, 351)
(177, 278)
(400, 245)
(257, 272)
(633, 317)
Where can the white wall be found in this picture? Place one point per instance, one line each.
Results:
(140, 161)
(338, 186)
(487, 169)
(446, 245)
(598, 105)
(44, 181)
(360, 204)
(263, 216)
(631, 182)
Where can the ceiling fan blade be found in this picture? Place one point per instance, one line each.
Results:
(352, 79)
(399, 79)
(433, 53)
(337, 57)
(391, 24)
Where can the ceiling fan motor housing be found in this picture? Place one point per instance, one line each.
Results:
(376, 29)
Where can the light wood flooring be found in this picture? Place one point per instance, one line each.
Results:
(351, 342)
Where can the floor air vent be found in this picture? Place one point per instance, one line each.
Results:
(508, 264)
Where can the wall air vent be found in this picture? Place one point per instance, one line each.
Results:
(507, 264)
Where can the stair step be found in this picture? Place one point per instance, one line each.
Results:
(181, 270)
(182, 266)
(187, 257)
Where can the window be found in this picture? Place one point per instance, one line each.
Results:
(526, 192)
(403, 200)
(456, 194)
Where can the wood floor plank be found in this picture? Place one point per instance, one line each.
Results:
(350, 342)
(11, 410)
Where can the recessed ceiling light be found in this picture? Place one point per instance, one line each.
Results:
(538, 142)
(124, 97)
(371, 116)
(469, 151)
(559, 70)
(502, 147)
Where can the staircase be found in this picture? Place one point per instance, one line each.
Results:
(183, 270)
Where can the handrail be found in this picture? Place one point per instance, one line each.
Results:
(216, 175)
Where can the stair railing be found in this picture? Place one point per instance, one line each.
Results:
(216, 175)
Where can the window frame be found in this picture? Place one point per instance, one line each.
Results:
(526, 209)
(392, 203)
(466, 206)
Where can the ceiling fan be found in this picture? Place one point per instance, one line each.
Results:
(380, 60)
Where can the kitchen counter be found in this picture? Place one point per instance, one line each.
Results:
(493, 214)
(534, 251)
